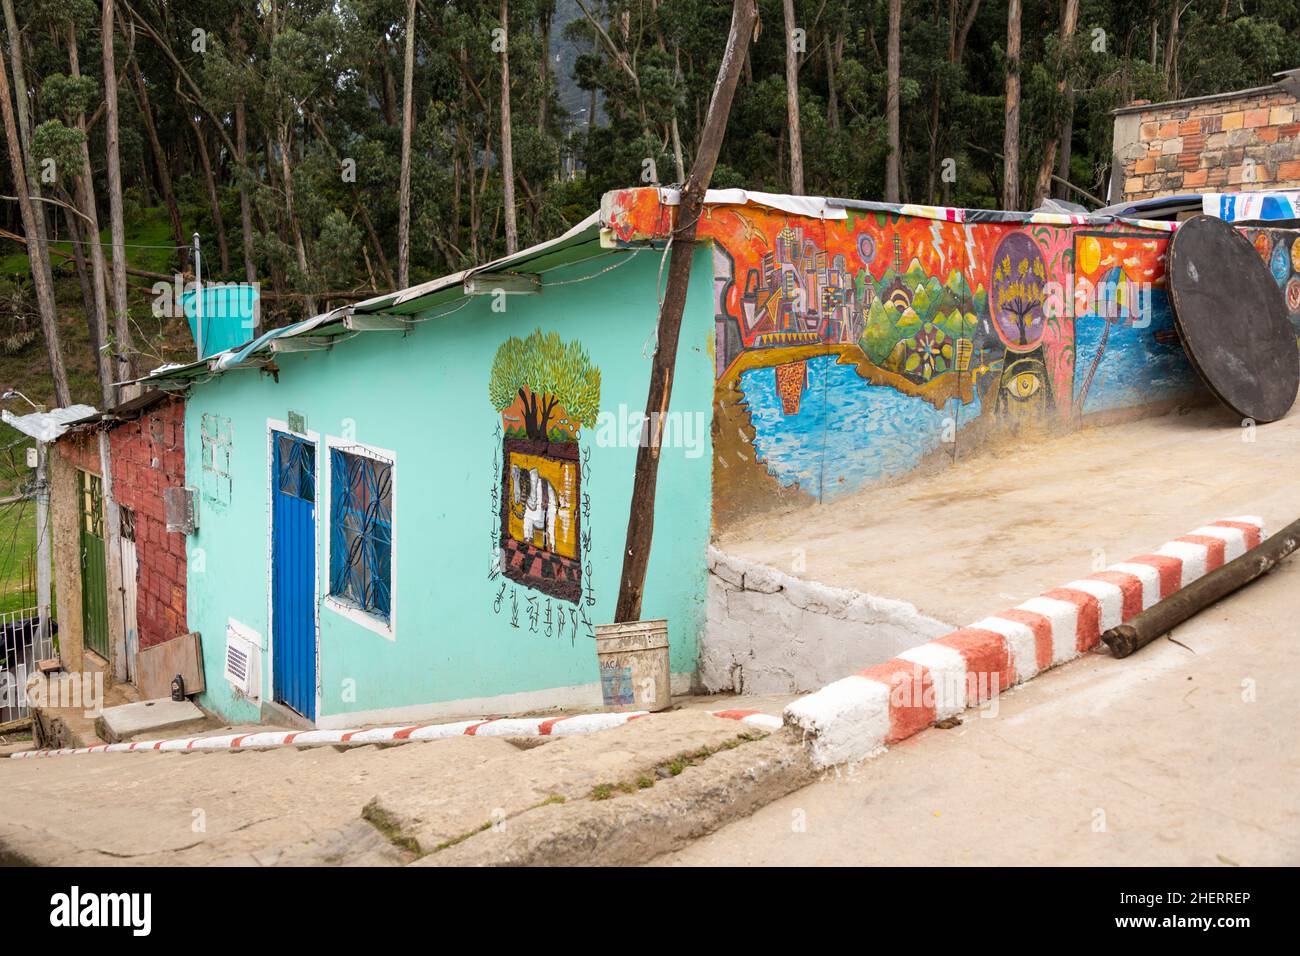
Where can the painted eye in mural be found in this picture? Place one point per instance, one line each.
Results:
(1023, 386)
(866, 248)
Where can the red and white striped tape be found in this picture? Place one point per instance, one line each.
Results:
(859, 715)
(491, 727)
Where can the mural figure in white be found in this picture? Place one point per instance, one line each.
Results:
(536, 503)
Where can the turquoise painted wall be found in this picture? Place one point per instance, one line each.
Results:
(424, 396)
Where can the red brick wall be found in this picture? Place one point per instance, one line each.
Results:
(1212, 146)
(149, 455)
(80, 449)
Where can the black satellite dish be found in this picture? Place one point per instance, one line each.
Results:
(1232, 319)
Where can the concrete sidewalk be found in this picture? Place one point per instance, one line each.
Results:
(967, 541)
(1186, 753)
(379, 805)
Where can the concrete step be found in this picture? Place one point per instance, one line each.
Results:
(70, 704)
(163, 717)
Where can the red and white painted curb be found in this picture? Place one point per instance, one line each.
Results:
(859, 715)
(490, 727)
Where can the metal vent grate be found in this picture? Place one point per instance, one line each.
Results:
(237, 663)
(241, 666)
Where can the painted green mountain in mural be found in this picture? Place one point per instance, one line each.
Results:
(939, 311)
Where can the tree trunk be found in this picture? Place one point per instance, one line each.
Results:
(1069, 20)
(161, 165)
(379, 247)
(37, 256)
(893, 163)
(1067, 136)
(792, 100)
(1011, 135)
(404, 187)
(507, 151)
(25, 122)
(121, 319)
(85, 185)
(640, 524)
(1171, 51)
(832, 98)
(241, 158)
(79, 237)
(214, 200)
(309, 300)
(544, 71)
(956, 52)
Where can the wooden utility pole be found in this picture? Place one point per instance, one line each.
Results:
(1011, 135)
(507, 146)
(641, 516)
(894, 161)
(792, 101)
(404, 185)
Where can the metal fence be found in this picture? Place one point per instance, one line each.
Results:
(23, 645)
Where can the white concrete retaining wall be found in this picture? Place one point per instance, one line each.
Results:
(770, 633)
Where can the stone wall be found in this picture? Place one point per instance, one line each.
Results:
(1236, 142)
(770, 633)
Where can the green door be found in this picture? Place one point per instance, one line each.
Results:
(94, 580)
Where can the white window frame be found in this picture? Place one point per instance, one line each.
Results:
(386, 629)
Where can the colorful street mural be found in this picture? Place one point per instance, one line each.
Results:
(1280, 250)
(854, 346)
(546, 390)
(850, 351)
(1127, 347)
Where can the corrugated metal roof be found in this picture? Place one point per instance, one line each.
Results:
(583, 241)
(580, 242)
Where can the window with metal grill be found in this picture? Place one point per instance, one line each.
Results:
(361, 531)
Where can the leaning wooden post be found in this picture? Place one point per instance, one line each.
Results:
(641, 517)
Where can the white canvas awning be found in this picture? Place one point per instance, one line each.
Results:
(45, 427)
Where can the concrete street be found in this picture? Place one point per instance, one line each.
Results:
(970, 540)
(1186, 753)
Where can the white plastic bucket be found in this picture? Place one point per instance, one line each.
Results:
(634, 665)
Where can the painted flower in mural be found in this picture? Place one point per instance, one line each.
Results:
(1293, 295)
(1280, 264)
(1016, 298)
(929, 353)
(1263, 245)
(542, 380)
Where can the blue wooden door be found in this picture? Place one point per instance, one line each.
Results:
(293, 573)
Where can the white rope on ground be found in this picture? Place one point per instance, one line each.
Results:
(489, 727)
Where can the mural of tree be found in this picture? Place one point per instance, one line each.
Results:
(1019, 275)
(544, 373)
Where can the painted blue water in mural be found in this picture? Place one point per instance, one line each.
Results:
(847, 433)
(1137, 367)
